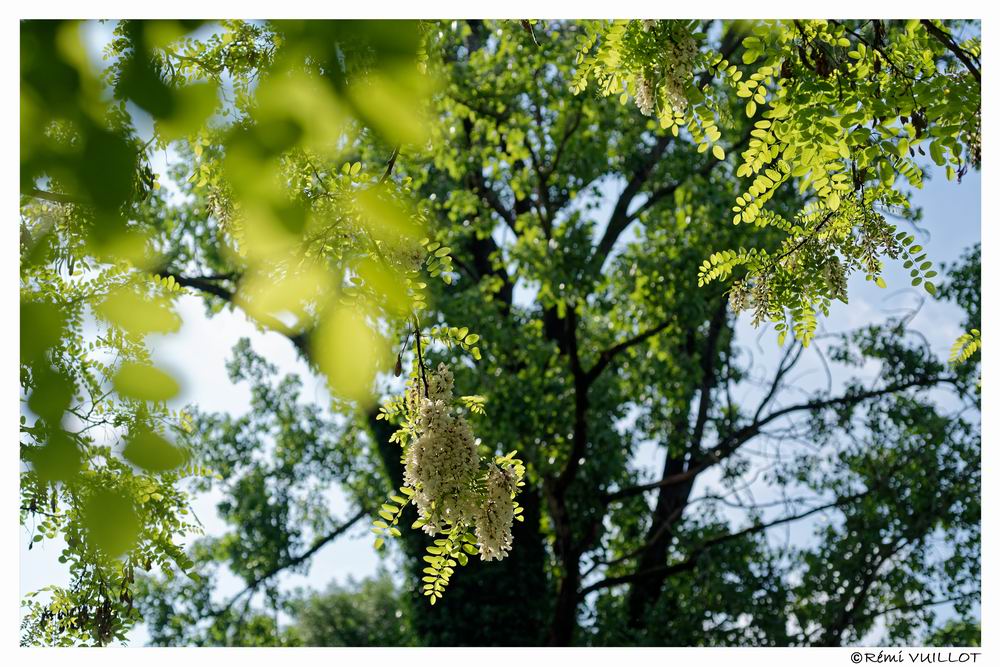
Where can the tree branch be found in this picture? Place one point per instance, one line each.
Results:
(787, 363)
(208, 285)
(925, 603)
(581, 405)
(301, 558)
(604, 359)
(619, 219)
(949, 43)
(708, 375)
(568, 132)
(731, 443)
(390, 165)
(56, 197)
(492, 198)
(698, 551)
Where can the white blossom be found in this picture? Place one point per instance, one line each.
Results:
(442, 462)
(405, 253)
(975, 141)
(645, 96)
(679, 66)
(496, 515)
(441, 384)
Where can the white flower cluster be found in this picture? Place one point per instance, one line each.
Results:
(674, 71)
(496, 516)
(678, 68)
(645, 96)
(222, 207)
(975, 141)
(442, 462)
(836, 279)
(405, 253)
(441, 385)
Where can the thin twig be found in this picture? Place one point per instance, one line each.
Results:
(949, 43)
(389, 165)
(420, 357)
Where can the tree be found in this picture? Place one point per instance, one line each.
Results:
(619, 343)
(844, 109)
(371, 613)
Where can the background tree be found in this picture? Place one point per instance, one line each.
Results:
(569, 232)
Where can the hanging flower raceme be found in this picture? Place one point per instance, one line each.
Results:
(467, 500)
(681, 51)
(496, 514)
(669, 79)
(645, 96)
(442, 463)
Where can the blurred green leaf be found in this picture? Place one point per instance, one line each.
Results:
(146, 383)
(58, 460)
(350, 352)
(53, 392)
(137, 314)
(151, 451)
(110, 522)
(41, 328)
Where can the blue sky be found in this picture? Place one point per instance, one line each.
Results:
(198, 352)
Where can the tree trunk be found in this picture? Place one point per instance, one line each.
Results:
(564, 615)
(645, 592)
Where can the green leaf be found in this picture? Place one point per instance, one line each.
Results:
(138, 315)
(110, 522)
(41, 328)
(58, 460)
(151, 451)
(144, 382)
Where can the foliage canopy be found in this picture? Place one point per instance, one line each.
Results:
(459, 199)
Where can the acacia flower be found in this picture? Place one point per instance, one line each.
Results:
(496, 515)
